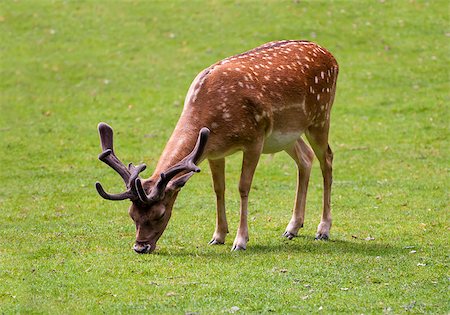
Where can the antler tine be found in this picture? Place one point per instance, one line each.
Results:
(108, 156)
(122, 196)
(106, 136)
(203, 136)
(187, 164)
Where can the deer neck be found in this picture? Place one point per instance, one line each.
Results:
(180, 144)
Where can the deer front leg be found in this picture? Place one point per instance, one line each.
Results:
(249, 163)
(218, 176)
(303, 156)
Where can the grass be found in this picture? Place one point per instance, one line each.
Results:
(65, 66)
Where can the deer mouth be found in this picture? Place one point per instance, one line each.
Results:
(143, 248)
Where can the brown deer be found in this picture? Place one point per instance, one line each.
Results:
(260, 101)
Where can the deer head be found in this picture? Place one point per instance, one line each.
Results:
(152, 200)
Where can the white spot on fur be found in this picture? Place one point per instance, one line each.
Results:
(304, 109)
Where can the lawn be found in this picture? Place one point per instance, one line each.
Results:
(66, 65)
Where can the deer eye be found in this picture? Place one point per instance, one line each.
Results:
(158, 212)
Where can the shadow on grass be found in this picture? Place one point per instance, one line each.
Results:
(309, 245)
(301, 244)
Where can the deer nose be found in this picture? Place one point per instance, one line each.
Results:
(142, 249)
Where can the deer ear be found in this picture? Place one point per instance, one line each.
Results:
(178, 183)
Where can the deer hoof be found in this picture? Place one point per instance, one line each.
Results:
(289, 235)
(322, 237)
(215, 242)
(237, 248)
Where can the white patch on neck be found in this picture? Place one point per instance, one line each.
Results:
(195, 87)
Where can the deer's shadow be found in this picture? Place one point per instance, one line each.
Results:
(300, 244)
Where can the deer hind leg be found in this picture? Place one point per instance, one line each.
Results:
(318, 138)
(249, 163)
(303, 156)
(218, 176)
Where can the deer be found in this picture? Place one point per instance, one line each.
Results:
(262, 101)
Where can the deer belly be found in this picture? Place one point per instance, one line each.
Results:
(280, 140)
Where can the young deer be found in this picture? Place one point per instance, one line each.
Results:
(260, 101)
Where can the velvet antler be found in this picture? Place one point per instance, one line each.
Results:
(129, 174)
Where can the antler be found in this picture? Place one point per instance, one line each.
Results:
(188, 164)
(129, 174)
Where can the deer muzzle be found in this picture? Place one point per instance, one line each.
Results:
(143, 248)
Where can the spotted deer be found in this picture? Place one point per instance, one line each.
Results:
(260, 101)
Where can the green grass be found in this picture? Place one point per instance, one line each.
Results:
(65, 66)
